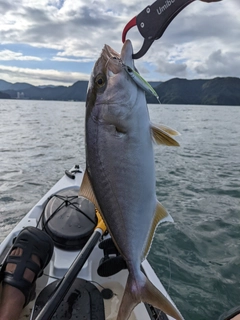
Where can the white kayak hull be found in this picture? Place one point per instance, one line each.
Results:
(63, 259)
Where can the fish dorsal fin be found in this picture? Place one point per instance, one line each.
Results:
(161, 215)
(87, 192)
(167, 129)
(162, 137)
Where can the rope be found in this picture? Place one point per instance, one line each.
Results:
(67, 201)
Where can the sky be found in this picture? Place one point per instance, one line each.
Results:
(56, 42)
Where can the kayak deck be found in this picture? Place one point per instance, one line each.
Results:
(62, 260)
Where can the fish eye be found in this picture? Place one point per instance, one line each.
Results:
(129, 69)
(100, 80)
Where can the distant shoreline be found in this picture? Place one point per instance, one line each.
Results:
(217, 91)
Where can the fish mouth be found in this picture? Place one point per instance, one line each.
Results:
(110, 60)
(127, 53)
(110, 53)
(114, 61)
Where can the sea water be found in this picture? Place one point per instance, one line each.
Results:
(198, 257)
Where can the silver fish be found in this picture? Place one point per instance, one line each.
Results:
(120, 175)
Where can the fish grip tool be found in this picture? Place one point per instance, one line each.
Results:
(153, 21)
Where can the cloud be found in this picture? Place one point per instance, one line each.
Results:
(39, 77)
(193, 36)
(6, 55)
(219, 62)
(57, 58)
(6, 6)
(77, 30)
(172, 69)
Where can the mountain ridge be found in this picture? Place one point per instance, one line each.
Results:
(216, 91)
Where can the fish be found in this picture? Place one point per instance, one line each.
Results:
(120, 170)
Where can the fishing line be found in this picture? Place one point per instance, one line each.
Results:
(102, 286)
(97, 284)
(169, 279)
(169, 266)
(52, 277)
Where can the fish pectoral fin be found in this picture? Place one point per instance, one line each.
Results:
(167, 129)
(162, 137)
(161, 215)
(87, 192)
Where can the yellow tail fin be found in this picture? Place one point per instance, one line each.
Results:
(143, 290)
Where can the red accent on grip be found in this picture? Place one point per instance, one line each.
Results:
(128, 26)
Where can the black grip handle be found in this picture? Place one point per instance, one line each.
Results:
(154, 19)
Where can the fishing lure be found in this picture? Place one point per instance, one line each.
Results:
(142, 83)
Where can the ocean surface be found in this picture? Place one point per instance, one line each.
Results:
(198, 257)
